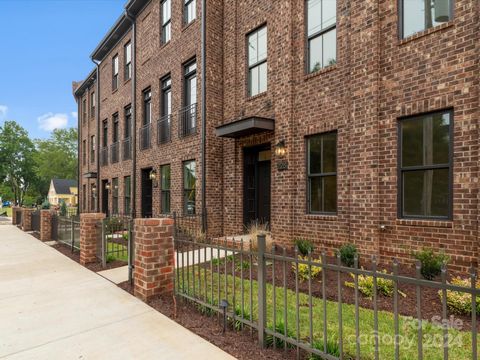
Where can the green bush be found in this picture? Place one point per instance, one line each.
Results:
(431, 262)
(45, 205)
(365, 285)
(113, 224)
(63, 209)
(461, 302)
(237, 324)
(347, 254)
(111, 258)
(304, 246)
(333, 348)
(303, 269)
(279, 343)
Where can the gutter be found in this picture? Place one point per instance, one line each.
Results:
(204, 115)
(79, 136)
(133, 132)
(97, 136)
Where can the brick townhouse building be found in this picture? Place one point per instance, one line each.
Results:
(333, 120)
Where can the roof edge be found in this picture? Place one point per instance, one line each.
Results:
(85, 84)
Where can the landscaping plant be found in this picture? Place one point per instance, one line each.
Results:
(431, 262)
(461, 303)
(347, 254)
(45, 205)
(333, 348)
(258, 228)
(304, 246)
(63, 209)
(365, 285)
(279, 343)
(303, 269)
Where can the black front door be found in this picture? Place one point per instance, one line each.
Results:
(105, 197)
(147, 188)
(256, 189)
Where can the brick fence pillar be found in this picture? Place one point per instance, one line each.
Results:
(45, 225)
(14, 215)
(89, 233)
(27, 219)
(154, 257)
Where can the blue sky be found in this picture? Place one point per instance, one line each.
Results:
(44, 46)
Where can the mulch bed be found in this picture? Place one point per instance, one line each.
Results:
(431, 302)
(241, 344)
(75, 256)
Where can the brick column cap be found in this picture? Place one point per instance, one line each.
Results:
(154, 222)
(92, 215)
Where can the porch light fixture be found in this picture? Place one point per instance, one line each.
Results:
(280, 148)
(94, 190)
(153, 176)
(107, 186)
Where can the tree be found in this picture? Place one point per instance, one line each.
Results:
(17, 161)
(56, 157)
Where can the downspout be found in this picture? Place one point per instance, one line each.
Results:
(133, 132)
(97, 136)
(204, 115)
(79, 136)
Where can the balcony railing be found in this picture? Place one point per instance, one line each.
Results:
(104, 156)
(114, 152)
(163, 129)
(145, 136)
(127, 149)
(187, 120)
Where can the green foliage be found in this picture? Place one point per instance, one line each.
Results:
(303, 269)
(45, 205)
(347, 254)
(63, 208)
(304, 246)
(333, 348)
(365, 285)
(461, 302)
(244, 265)
(237, 324)
(431, 262)
(111, 258)
(113, 224)
(279, 343)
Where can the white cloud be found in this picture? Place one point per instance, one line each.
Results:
(51, 121)
(3, 111)
(74, 114)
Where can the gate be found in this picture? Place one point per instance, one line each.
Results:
(36, 220)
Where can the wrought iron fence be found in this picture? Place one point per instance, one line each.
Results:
(187, 120)
(316, 306)
(145, 136)
(163, 129)
(36, 220)
(67, 230)
(114, 152)
(104, 156)
(18, 216)
(188, 227)
(127, 149)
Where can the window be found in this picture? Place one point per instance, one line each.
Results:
(257, 62)
(84, 152)
(419, 15)
(127, 194)
(115, 128)
(128, 122)
(92, 149)
(189, 11)
(166, 21)
(84, 197)
(165, 175)
(188, 115)
(190, 83)
(166, 105)
(115, 196)
(92, 196)
(115, 72)
(322, 173)
(128, 60)
(425, 165)
(189, 180)
(147, 107)
(84, 110)
(105, 133)
(321, 33)
(92, 104)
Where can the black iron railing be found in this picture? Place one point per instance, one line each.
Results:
(145, 135)
(164, 129)
(104, 156)
(114, 152)
(187, 121)
(126, 149)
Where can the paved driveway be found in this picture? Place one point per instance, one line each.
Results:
(53, 308)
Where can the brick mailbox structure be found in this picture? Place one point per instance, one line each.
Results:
(154, 258)
(89, 233)
(45, 225)
(27, 219)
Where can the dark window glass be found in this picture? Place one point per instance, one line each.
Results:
(190, 83)
(165, 179)
(166, 21)
(425, 165)
(147, 107)
(115, 196)
(322, 173)
(92, 149)
(115, 72)
(105, 133)
(128, 61)
(419, 15)
(92, 104)
(126, 194)
(128, 121)
(189, 182)
(189, 11)
(84, 109)
(115, 128)
(166, 106)
(321, 33)
(257, 62)
(84, 152)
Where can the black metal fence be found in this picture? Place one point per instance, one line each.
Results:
(163, 129)
(104, 156)
(114, 152)
(315, 306)
(127, 149)
(145, 136)
(18, 216)
(36, 220)
(66, 230)
(187, 121)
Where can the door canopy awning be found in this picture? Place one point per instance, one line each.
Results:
(245, 127)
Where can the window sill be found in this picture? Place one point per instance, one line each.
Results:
(164, 45)
(114, 91)
(255, 97)
(426, 32)
(425, 223)
(186, 26)
(320, 72)
(127, 81)
(324, 217)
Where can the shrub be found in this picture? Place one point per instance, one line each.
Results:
(347, 254)
(113, 224)
(111, 258)
(257, 228)
(63, 209)
(244, 265)
(303, 274)
(431, 262)
(304, 246)
(333, 348)
(46, 205)
(279, 343)
(365, 285)
(237, 324)
(459, 302)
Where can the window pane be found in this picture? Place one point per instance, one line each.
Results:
(189, 175)
(412, 142)
(128, 53)
(165, 181)
(316, 194)
(330, 48)
(254, 81)
(441, 138)
(425, 193)
(252, 48)
(315, 54)
(314, 11)
(167, 33)
(262, 44)
(329, 13)
(315, 159)
(329, 153)
(330, 194)
(418, 17)
(262, 78)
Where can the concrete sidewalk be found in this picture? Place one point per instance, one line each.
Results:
(53, 308)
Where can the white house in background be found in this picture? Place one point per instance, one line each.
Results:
(63, 190)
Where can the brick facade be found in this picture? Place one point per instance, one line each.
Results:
(90, 232)
(27, 219)
(154, 257)
(376, 80)
(45, 225)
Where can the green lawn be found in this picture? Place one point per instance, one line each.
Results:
(8, 210)
(116, 251)
(460, 342)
